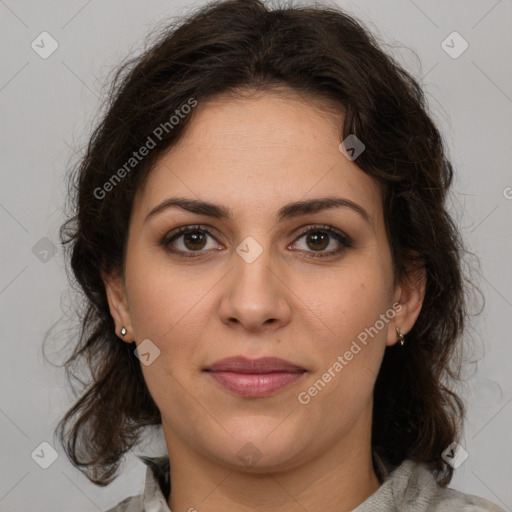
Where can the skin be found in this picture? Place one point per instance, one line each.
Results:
(254, 155)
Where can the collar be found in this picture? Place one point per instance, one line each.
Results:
(157, 486)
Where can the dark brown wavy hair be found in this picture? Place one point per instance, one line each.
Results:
(229, 47)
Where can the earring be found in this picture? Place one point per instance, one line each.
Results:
(401, 337)
(123, 332)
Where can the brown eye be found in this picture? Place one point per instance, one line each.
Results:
(317, 240)
(194, 240)
(189, 240)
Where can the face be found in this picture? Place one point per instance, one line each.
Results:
(314, 288)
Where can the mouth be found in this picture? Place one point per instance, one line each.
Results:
(254, 378)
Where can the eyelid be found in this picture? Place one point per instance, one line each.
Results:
(210, 230)
(322, 227)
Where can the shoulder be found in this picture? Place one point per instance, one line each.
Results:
(422, 493)
(131, 504)
(411, 487)
(451, 499)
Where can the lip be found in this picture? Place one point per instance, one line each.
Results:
(254, 377)
(241, 364)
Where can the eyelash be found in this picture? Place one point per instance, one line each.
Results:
(344, 240)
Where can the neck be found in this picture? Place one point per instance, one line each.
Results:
(338, 480)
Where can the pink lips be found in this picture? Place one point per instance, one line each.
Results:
(254, 377)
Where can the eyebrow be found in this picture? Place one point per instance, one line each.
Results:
(289, 211)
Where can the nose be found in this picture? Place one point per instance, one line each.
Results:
(255, 295)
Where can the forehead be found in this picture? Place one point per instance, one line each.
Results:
(256, 153)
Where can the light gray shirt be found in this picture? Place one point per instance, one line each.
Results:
(410, 487)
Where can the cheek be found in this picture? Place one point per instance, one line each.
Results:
(161, 299)
(169, 310)
(354, 314)
(350, 300)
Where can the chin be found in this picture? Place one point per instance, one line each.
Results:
(264, 448)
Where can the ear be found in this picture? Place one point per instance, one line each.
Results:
(118, 304)
(408, 298)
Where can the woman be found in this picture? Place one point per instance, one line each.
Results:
(271, 273)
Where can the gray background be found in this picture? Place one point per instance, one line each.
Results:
(48, 107)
